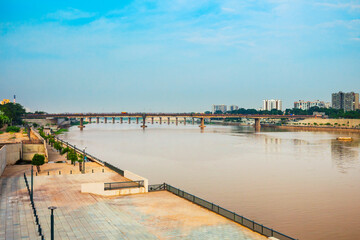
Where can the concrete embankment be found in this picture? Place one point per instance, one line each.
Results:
(313, 128)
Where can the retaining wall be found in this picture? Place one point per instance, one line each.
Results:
(134, 177)
(2, 159)
(13, 153)
(37, 135)
(29, 150)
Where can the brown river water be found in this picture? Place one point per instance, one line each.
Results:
(303, 184)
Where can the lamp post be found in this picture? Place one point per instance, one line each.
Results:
(84, 159)
(52, 208)
(75, 153)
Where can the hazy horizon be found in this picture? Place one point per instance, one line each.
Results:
(179, 56)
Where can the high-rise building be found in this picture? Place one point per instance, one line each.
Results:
(269, 105)
(222, 108)
(233, 107)
(347, 101)
(305, 105)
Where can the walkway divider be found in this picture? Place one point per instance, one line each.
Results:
(256, 227)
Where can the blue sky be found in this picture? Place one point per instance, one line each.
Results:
(174, 56)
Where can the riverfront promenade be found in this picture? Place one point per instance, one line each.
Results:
(155, 215)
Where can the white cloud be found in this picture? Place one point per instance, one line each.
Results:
(352, 6)
(70, 14)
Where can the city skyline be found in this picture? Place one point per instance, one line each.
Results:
(176, 56)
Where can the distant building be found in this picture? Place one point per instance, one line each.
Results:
(233, 107)
(269, 105)
(222, 108)
(347, 101)
(306, 105)
(4, 101)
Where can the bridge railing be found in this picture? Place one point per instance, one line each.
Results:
(256, 227)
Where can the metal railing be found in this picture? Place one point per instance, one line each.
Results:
(91, 157)
(88, 155)
(115, 169)
(256, 227)
(120, 185)
(40, 232)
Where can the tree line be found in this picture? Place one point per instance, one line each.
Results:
(331, 112)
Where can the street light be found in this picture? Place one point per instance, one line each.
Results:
(52, 208)
(84, 159)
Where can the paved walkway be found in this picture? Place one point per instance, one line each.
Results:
(156, 215)
(16, 216)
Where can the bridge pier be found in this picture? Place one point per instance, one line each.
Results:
(113, 119)
(97, 120)
(143, 123)
(202, 123)
(168, 121)
(160, 120)
(129, 119)
(152, 120)
(121, 120)
(137, 120)
(193, 121)
(176, 120)
(81, 126)
(184, 120)
(105, 119)
(257, 125)
(89, 119)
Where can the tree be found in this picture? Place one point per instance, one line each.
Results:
(3, 119)
(57, 146)
(72, 156)
(38, 160)
(14, 111)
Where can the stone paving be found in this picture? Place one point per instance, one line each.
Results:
(16, 216)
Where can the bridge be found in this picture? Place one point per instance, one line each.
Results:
(161, 116)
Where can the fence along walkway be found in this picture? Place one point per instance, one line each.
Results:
(256, 227)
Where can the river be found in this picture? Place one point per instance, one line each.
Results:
(303, 184)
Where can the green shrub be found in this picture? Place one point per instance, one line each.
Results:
(57, 146)
(1, 132)
(35, 125)
(328, 124)
(38, 160)
(64, 150)
(12, 129)
(60, 131)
